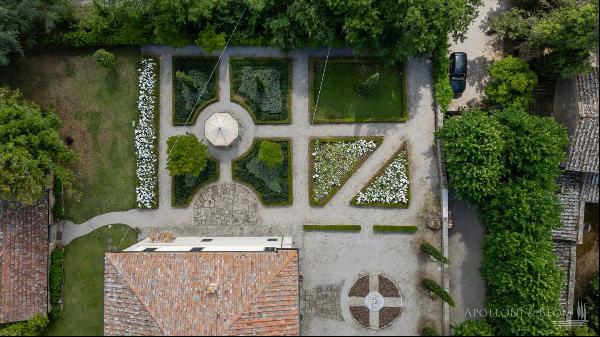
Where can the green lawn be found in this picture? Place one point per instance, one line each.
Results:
(339, 101)
(97, 108)
(84, 281)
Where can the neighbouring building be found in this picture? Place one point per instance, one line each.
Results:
(203, 286)
(23, 260)
(576, 107)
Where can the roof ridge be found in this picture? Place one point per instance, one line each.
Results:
(135, 293)
(259, 291)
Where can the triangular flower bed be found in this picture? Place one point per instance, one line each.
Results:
(333, 161)
(390, 187)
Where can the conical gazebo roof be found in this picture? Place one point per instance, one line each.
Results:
(221, 129)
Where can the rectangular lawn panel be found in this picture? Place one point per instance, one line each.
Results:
(185, 187)
(389, 187)
(333, 161)
(272, 185)
(97, 108)
(262, 86)
(340, 101)
(190, 79)
(83, 292)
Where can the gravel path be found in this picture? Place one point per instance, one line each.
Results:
(481, 50)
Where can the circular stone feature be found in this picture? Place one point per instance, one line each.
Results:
(374, 301)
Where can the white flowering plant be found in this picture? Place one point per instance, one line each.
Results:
(146, 135)
(333, 163)
(389, 187)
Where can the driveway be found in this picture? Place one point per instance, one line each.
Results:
(464, 251)
(481, 50)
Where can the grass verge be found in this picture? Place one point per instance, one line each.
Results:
(83, 293)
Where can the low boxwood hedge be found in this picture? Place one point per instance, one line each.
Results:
(432, 286)
(185, 187)
(55, 280)
(333, 228)
(394, 229)
(433, 252)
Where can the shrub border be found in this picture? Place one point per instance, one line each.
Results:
(379, 172)
(435, 288)
(200, 107)
(290, 178)
(156, 146)
(241, 101)
(311, 165)
(311, 99)
(189, 199)
(394, 229)
(332, 228)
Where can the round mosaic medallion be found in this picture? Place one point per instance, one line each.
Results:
(374, 301)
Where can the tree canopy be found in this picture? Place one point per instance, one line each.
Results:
(565, 29)
(30, 149)
(187, 155)
(397, 28)
(23, 21)
(511, 84)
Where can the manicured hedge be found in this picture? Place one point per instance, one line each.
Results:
(185, 187)
(394, 229)
(333, 228)
(58, 210)
(433, 252)
(283, 67)
(205, 65)
(438, 290)
(283, 174)
(443, 93)
(36, 326)
(56, 279)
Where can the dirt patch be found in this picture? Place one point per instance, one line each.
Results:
(387, 315)
(361, 315)
(387, 288)
(360, 287)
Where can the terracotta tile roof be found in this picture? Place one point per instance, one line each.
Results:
(23, 260)
(167, 293)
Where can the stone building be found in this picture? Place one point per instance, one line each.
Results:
(576, 107)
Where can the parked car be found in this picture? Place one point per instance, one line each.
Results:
(458, 72)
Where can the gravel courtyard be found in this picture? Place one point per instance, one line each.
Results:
(330, 262)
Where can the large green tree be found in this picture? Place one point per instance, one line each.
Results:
(511, 84)
(187, 155)
(30, 149)
(23, 21)
(473, 146)
(566, 30)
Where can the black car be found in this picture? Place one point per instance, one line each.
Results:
(458, 72)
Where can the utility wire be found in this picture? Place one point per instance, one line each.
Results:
(321, 84)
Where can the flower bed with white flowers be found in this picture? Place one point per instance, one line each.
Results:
(262, 86)
(146, 134)
(389, 187)
(333, 161)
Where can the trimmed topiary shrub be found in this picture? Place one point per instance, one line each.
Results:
(270, 153)
(187, 155)
(105, 59)
(428, 331)
(435, 288)
(433, 252)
